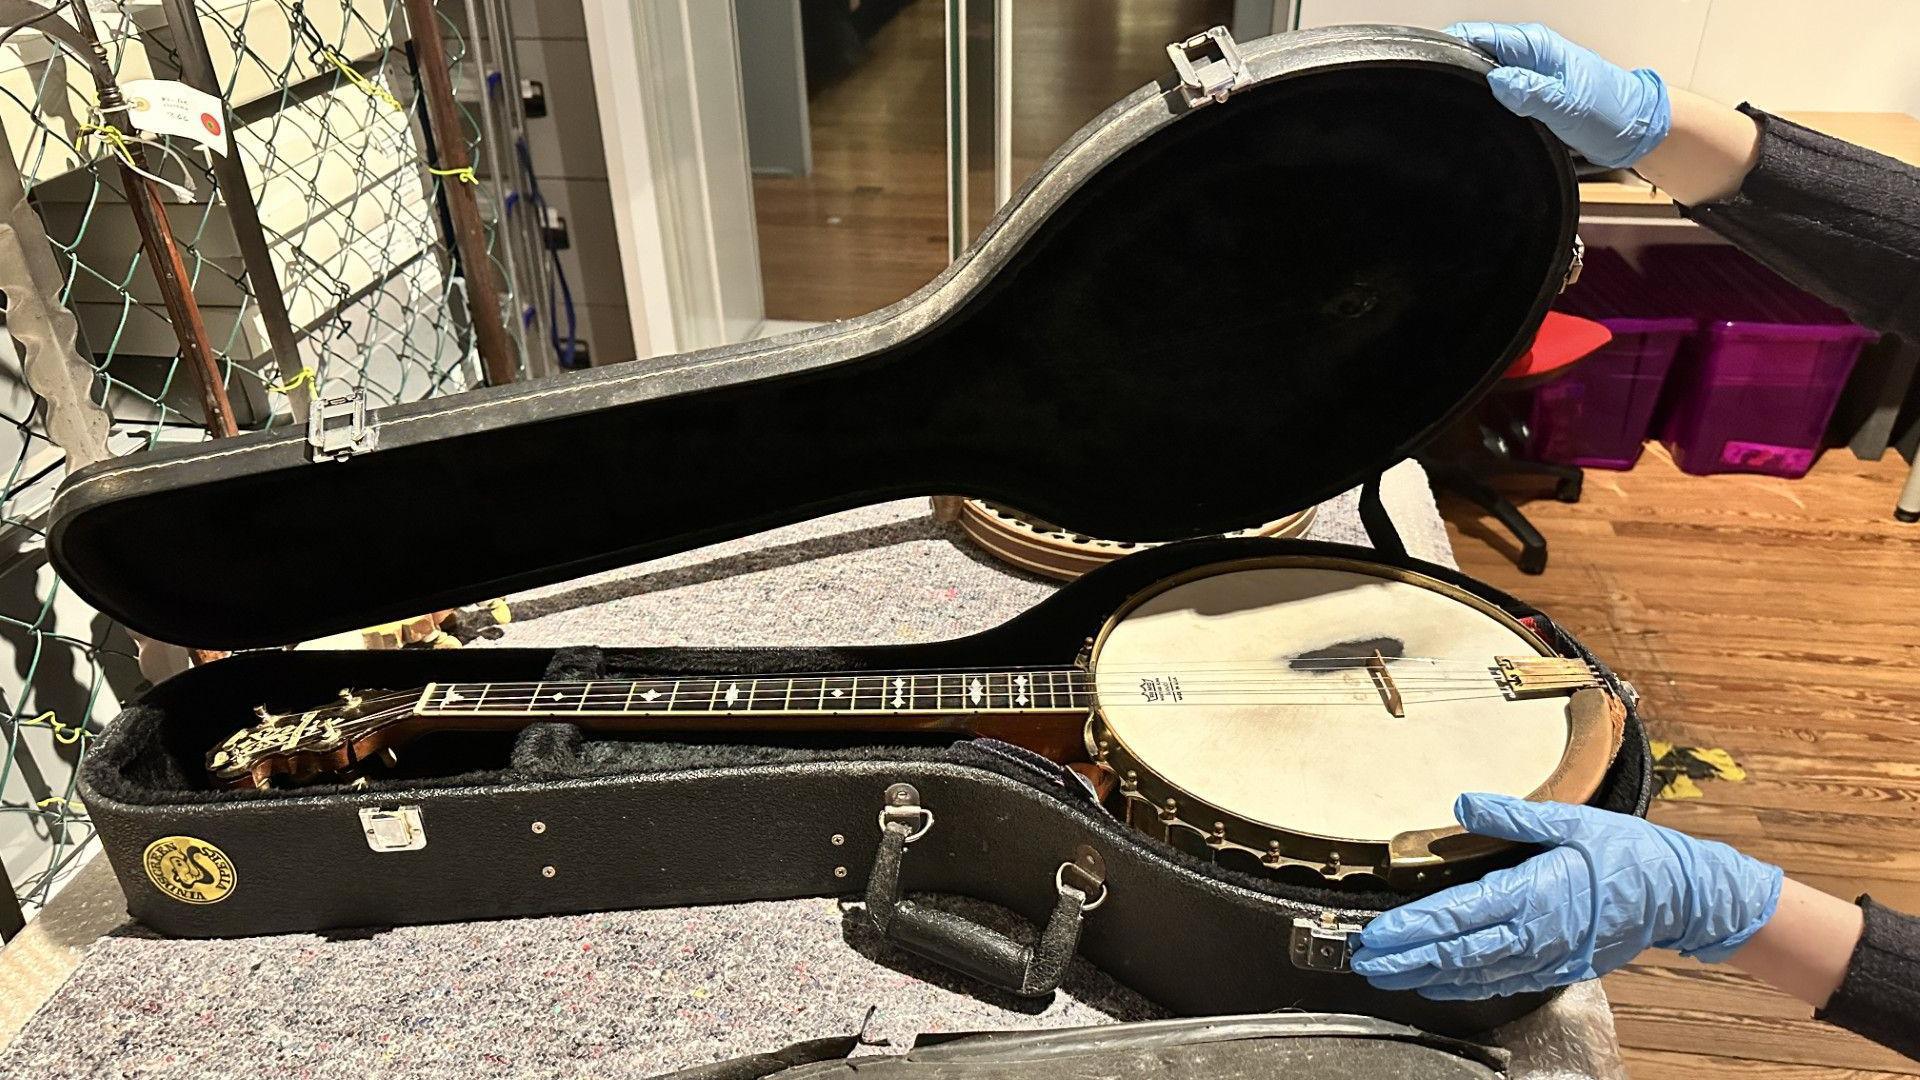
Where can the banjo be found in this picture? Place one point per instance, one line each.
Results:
(1303, 715)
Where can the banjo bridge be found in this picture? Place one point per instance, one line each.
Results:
(1542, 676)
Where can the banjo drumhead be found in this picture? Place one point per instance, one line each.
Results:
(1250, 689)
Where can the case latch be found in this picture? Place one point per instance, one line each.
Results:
(393, 828)
(1575, 264)
(1322, 943)
(1208, 75)
(337, 428)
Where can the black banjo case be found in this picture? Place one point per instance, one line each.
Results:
(1237, 292)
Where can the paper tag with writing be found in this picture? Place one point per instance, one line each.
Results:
(164, 107)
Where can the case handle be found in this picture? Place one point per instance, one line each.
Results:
(960, 943)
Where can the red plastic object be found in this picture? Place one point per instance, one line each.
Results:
(1753, 390)
(1600, 414)
(1561, 340)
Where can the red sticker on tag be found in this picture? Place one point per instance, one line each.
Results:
(208, 121)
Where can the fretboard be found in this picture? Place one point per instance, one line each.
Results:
(901, 693)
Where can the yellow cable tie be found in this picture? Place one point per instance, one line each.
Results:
(464, 174)
(365, 85)
(62, 734)
(305, 378)
(116, 142)
(61, 801)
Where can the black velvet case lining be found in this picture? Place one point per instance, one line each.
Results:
(1252, 309)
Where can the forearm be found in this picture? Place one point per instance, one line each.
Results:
(1805, 948)
(1835, 219)
(1707, 154)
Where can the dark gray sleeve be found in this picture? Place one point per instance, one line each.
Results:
(1836, 219)
(1880, 996)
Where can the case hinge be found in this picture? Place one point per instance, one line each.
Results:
(393, 828)
(1322, 943)
(337, 428)
(1208, 75)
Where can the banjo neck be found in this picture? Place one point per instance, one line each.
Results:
(1042, 709)
(873, 701)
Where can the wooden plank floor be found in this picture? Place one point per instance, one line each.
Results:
(1779, 620)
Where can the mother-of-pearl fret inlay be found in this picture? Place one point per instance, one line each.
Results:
(1020, 687)
(976, 691)
(899, 697)
(733, 694)
(650, 696)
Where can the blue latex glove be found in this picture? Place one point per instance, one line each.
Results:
(1612, 116)
(1542, 923)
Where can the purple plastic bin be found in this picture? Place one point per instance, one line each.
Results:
(1753, 389)
(1600, 413)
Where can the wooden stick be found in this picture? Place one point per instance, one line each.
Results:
(469, 231)
(163, 253)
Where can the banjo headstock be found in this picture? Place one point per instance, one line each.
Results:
(298, 747)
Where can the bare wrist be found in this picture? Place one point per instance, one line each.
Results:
(1707, 154)
(1804, 950)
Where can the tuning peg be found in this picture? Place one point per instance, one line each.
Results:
(350, 701)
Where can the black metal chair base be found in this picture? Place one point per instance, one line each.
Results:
(1466, 466)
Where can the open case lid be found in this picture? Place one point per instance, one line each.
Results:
(1233, 294)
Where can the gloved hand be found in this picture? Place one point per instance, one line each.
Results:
(1612, 116)
(1543, 923)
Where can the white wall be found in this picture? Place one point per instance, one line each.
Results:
(667, 83)
(1846, 55)
(1783, 55)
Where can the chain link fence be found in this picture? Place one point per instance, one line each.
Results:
(350, 281)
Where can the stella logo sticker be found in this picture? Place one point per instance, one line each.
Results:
(189, 869)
